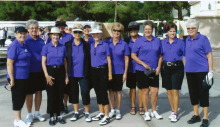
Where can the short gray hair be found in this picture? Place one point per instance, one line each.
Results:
(148, 23)
(193, 22)
(32, 22)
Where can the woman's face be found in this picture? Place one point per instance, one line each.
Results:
(148, 31)
(77, 34)
(97, 36)
(62, 29)
(133, 33)
(87, 30)
(21, 36)
(171, 33)
(116, 32)
(192, 30)
(55, 37)
(33, 30)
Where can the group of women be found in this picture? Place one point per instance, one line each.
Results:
(67, 62)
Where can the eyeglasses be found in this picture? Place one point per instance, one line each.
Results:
(117, 30)
(192, 28)
(79, 32)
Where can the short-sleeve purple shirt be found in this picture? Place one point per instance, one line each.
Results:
(35, 47)
(77, 60)
(147, 51)
(99, 54)
(172, 52)
(117, 53)
(22, 57)
(55, 55)
(195, 53)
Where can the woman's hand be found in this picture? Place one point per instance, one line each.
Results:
(157, 71)
(50, 80)
(67, 80)
(124, 78)
(12, 83)
(146, 66)
(109, 76)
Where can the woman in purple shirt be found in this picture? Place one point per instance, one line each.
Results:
(147, 53)
(18, 68)
(101, 72)
(55, 70)
(119, 52)
(199, 63)
(172, 69)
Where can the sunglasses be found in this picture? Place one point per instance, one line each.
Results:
(192, 28)
(117, 30)
(79, 32)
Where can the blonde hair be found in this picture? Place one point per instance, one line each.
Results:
(118, 25)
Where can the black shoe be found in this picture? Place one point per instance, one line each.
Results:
(205, 123)
(194, 119)
(52, 121)
(61, 120)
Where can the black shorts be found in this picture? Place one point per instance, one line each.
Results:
(172, 77)
(36, 82)
(116, 83)
(144, 81)
(67, 89)
(131, 80)
(19, 92)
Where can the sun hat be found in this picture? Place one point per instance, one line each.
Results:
(77, 27)
(60, 23)
(86, 24)
(96, 29)
(54, 30)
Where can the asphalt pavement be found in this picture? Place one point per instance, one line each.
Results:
(185, 109)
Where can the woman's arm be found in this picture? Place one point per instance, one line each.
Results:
(159, 65)
(137, 60)
(66, 72)
(10, 69)
(109, 68)
(210, 60)
(126, 68)
(48, 77)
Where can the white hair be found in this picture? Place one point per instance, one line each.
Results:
(192, 22)
(32, 22)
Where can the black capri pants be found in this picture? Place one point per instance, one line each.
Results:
(36, 83)
(74, 90)
(99, 78)
(56, 91)
(198, 94)
(18, 92)
(172, 76)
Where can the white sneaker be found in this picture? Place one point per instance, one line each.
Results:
(104, 121)
(174, 118)
(147, 116)
(118, 115)
(29, 119)
(20, 123)
(171, 115)
(39, 117)
(98, 117)
(112, 114)
(88, 118)
(156, 115)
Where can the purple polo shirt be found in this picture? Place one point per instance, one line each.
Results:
(147, 51)
(77, 60)
(132, 63)
(22, 57)
(117, 53)
(172, 52)
(90, 40)
(195, 53)
(63, 39)
(99, 54)
(35, 47)
(55, 55)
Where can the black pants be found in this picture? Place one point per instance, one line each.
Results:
(74, 90)
(18, 92)
(55, 92)
(100, 83)
(198, 94)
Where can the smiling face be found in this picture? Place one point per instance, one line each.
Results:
(171, 33)
(116, 32)
(21, 36)
(87, 30)
(55, 37)
(77, 34)
(148, 31)
(33, 30)
(96, 36)
(192, 30)
(133, 32)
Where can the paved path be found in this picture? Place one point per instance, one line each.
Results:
(185, 110)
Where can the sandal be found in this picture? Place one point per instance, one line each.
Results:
(141, 111)
(133, 111)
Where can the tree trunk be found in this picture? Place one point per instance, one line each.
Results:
(180, 15)
(116, 13)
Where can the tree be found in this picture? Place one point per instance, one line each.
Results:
(179, 6)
